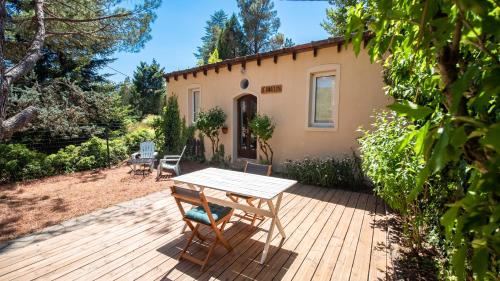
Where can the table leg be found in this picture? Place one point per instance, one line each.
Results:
(268, 241)
(274, 221)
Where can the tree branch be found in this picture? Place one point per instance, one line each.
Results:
(17, 122)
(55, 18)
(34, 52)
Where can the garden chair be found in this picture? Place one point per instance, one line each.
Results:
(257, 169)
(170, 162)
(145, 156)
(205, 214)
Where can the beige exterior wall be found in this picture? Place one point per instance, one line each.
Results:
(360, 93)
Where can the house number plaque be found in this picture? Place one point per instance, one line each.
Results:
(271, 89)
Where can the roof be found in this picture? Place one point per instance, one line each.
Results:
(294, 50)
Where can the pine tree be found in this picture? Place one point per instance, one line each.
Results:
(231, 42)
(260, 23)
(171, 125)
(336, 16)
(213, 29)
(148, 88)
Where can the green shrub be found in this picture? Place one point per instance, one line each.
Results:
(327, 172)
(263, 128)
(209, 123)
(394, 172)
(17, 162)
(133, 139)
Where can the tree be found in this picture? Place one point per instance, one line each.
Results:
(279, 41)
(260, 23)
(213, 28)
(209, 123)
(77, 25)
(263, 128)
(336, 16)
(448, 52)
(171, 126)
(148, 88)
(231, 41)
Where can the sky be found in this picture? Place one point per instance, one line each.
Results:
(180, 24)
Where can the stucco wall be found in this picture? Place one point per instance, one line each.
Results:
(359, 94)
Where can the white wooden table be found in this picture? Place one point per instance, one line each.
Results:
(262, 187)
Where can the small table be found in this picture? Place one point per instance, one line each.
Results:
(262, 187)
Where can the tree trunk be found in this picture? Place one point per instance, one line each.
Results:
(7, 77)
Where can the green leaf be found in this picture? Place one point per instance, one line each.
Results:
(439, 156)
(419, 141)
(458, 261)
(480, 261)
(412, 110)
(492, 137)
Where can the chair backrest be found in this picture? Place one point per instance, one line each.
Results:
(192, 197)
(258, 169)
(182, 153)
(147, 149)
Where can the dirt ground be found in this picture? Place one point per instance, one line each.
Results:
(30, 206)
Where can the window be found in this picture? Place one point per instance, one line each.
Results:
(194, 104)
(322, 100)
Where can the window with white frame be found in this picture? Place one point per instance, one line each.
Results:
(194, 104)
(322, 99)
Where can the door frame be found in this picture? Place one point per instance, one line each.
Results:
(234, 127)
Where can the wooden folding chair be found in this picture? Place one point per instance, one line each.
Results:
(257, 169)
(208, 214)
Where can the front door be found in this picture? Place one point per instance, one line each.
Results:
(247, 144)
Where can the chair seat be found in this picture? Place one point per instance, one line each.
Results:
(246, 197)
(167, 165)
(198, 214)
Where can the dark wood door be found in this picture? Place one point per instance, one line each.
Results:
(247, 144)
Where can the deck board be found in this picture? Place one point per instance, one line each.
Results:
(331, 235)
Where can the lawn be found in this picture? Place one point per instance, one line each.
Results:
(30, 206)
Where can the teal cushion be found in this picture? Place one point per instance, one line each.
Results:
(198, 214)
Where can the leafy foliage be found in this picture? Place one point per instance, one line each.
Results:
(394, 170)
(263, 128)
(171, 127)
(148, 89)
(133, 139)
(213, 28)
(328, 172)
(260, 22)
(66, 111)
(75, 29)
(20, 163)
(209, 123)
(336, 16)
(447, 52)
(231, 40)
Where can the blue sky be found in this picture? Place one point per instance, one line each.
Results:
(180, 24)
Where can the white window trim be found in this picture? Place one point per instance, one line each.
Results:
(190, 102)
(312, 73)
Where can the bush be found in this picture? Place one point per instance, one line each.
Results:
(209, 123)
(263, 128)
(394, 172)
(20, 163)
(328, 172)
(133, 139)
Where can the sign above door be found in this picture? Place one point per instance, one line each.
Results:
(271, 89)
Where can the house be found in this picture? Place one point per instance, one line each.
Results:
(318, 94)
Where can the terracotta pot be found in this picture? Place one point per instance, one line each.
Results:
(225, 129)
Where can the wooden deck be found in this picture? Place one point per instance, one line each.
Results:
(331, 235)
